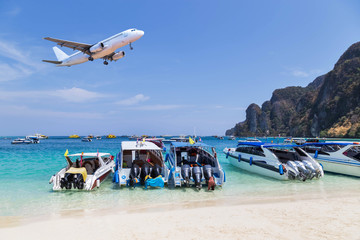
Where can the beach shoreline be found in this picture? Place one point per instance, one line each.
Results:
(314, 216)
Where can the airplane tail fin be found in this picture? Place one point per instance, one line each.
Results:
(60, 55)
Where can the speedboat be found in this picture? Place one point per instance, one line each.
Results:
(140, 163)
(74, 136)
(110, 136)
(194, 165)
(83, 171)
(86, 139)
(98, 137)
(21, 141)
(33, 139)
(249, 140)
(283, 162)
(336, 157)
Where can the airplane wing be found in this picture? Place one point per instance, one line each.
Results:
(83, 47)
(109, 56)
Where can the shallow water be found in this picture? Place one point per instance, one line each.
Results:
(25, 171)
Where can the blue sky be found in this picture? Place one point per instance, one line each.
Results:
(199, 64)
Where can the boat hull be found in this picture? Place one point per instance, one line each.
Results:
(339, 166)
(245, 165)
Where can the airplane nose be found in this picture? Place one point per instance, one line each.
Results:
(141, 33)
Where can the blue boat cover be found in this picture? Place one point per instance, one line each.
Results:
(186, 144)
(154, 182)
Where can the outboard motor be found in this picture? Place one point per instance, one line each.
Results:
(306, 173)
(292, 169)
(78, 181)
(134, 174)
(186, 174)
(155, 171)
(197, 175)
(66, 181)
(311, 168)
(145, 170)
(209, 178)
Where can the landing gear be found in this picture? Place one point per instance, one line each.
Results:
(91, 58)
(131, 48)
(106, 63)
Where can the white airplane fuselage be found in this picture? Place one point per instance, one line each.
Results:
(109, 45)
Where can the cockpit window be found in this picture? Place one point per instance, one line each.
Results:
(133, 30)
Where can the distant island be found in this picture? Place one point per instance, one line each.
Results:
(328, 107)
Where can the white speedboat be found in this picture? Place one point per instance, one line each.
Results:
(194, 164)
(86, 139)
(21, 141)
(283, 162)
(33, 139)
(140, 163)
(249, 140)
(83, 171)
(336, 157)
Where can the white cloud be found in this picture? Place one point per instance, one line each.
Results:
(298, 73)
(158, 107)
(22, 65)
(12, 72)
(76, 94)
(133, 100)
(24, 111)
(13, 12)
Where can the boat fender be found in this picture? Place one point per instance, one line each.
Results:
(227, 154)
(316, 154)
(321, 166)
(116, 177)
(98, 183)
(281, 170)
(239, 158)
(167, 157)
(251, 160)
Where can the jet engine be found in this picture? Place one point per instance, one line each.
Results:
(118, 55)
(97, 47)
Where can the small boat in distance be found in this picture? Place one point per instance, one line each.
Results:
(40, 136)
(283, 162)
(74, 136)
(249, 140)
(84, 171)
(86, 139)
(110, 136)
(336, 157)
(21, 141)
(194, 165)
(34, 139)
(140, 163)
(98, 137)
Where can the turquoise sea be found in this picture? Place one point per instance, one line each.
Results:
(25, 191)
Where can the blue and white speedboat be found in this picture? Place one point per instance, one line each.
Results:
(283, 162)
(140, 163)
(336, 157)
(194, 164)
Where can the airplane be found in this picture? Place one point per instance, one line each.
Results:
(104, 49)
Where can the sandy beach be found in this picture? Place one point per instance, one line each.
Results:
(310, 217)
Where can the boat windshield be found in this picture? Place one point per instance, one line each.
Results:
(141, 157)
(254, 150)
(353, 152)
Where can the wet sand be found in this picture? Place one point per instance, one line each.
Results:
(335, 216)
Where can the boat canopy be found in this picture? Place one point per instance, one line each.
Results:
(139, 145)
(187, 144)
(94, 154)
(265, 145)
(329, 143)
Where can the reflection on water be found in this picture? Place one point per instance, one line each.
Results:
(26, 169)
